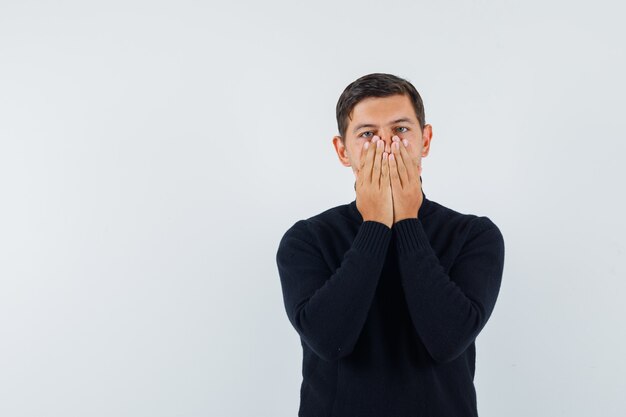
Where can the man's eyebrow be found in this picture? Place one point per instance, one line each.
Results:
(402, 119)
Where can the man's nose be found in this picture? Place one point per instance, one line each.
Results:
(386, 137)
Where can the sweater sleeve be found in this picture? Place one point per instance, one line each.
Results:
(329, 308)
(449, 311)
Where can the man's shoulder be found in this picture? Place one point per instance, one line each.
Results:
(334, 218)
(446, 217)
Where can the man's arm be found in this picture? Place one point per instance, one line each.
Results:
(329, 308)
(449, 311)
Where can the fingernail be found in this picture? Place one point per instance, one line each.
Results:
(379, 143)
(395, 139)
(367, 145)
(406, 142)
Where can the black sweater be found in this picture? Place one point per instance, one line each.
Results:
(387, 317)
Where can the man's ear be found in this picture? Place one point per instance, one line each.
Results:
(427, 135)
(342, 151)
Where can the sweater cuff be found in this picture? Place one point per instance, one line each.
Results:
(372, 237)
(410, 236)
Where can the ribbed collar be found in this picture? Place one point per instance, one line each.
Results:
(426, 208)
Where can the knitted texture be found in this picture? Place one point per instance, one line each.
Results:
(388, 317)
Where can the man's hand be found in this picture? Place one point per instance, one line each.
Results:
(373, 188)
(406, 185)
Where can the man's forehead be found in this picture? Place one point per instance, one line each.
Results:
(387, 108)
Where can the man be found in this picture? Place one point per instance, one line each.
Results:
(389, 292)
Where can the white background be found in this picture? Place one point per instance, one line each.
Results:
(153, 154)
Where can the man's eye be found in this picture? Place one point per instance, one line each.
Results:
(402, 127)
(365, 133)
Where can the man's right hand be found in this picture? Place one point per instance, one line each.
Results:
(373, 187)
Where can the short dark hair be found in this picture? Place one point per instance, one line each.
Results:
(375, 85)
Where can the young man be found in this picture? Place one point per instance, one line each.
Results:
(389, 292)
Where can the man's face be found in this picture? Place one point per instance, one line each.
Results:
(384, 117)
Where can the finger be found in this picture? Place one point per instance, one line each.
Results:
(393, 171)
(411, 167)
(384, 174)
(364, 147)
(369, 160)
(359, 170)
(400, 165)
(377, 161)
